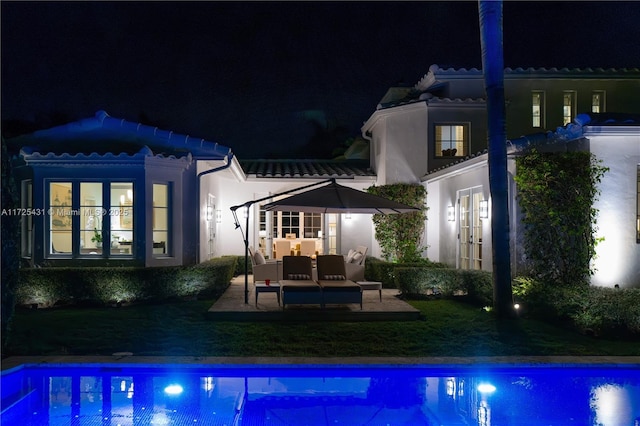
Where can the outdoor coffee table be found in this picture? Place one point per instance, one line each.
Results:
(262, 287)
(371, 285)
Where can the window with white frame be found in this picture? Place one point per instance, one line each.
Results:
(312, 225)
(286, 223)
(537, 109)
(161, 219)
(300, 224)
(597, 101)
(451, 140)
(87, 221)
(568, 106)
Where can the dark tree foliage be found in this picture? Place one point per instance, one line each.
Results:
(9, 233)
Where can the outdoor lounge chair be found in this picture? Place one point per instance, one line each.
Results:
(297, 285)
(336, 288)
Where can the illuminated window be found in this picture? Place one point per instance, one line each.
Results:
(91, 218)
(60, 218)
(312, 224)
(597, 101)
(537, 109)
(289, 224)
(87, 221)
(161, 219)
(568, 107)
(451, 140)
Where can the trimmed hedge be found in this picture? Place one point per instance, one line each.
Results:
(475, 286)
(383, 271)
(45, 287)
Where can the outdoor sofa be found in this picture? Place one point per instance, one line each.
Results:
(264, 269)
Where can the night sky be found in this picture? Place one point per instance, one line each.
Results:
(270, 79)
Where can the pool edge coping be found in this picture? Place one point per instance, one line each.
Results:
(17, 362)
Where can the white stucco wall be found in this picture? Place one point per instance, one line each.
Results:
(618, 256)
(399, 143)
(442, 191)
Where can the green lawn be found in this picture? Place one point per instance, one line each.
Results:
(449, 328)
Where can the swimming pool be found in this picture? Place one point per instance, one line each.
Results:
(241, 395)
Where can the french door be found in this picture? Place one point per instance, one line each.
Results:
(470, 229)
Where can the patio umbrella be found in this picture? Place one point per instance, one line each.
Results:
(331, 198)
(336, 198)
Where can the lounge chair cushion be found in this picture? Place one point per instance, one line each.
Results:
(299, 277)
(340, 286)
(300, 287)
(334, 277)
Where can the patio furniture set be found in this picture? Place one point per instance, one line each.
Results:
(328, 285)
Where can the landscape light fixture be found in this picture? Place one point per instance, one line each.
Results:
(451, 213)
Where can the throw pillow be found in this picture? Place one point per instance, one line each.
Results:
(356, 257)
(350, 255)
(258, 258)
(299, 277)
(334, 277)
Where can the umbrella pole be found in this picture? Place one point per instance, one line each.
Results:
(246, 260)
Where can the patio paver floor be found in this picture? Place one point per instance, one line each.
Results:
(231, 307)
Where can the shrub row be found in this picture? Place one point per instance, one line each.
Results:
(475, 286)
(45, 287)
(383, 271)
(594, 310)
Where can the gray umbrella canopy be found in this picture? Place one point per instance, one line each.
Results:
(335, 198)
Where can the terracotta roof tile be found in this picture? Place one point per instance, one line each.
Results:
(306, 168)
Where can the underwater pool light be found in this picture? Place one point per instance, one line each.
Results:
(486, 388)
(173, 390)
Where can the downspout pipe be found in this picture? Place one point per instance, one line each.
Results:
(229, 158)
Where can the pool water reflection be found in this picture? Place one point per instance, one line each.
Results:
(359, 395)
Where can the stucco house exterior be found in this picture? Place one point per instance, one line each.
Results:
(168, 196)
(435, 133)
(107, 191)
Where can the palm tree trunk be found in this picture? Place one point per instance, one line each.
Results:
(490, 13)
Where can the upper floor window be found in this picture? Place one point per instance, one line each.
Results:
(568, 106)
(451, 140)
(537, 109)
(597, 101)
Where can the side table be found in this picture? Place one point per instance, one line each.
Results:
(262, 287)
(371, 285)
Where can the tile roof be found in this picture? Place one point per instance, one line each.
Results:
(306, 168)
(103, 135)
(429, 84)
(582, 72)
